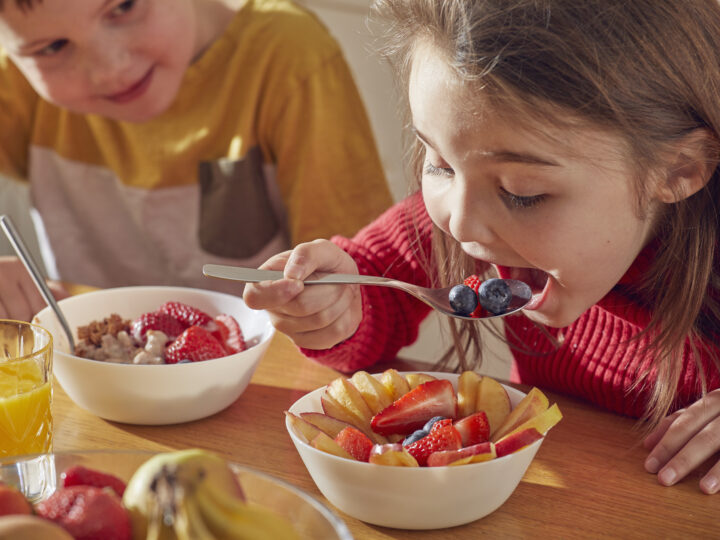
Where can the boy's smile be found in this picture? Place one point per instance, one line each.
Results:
(554, 207)
(123, 59)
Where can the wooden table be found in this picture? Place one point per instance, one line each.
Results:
(587, 480)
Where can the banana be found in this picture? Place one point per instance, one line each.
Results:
(194, 495)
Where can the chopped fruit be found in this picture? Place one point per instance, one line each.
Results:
(195, 344)
(463, 300)
(373, 392)
(302, 427)
(473, 429)
(398, 458)
(78, 475)
(494, 400)
(382, 448)
(414, 437)
(87, 512)
(416, 379)
(434, 420)
(188, 315)
(531, 405)
(328, 424)
(355, 443)
(470, 454)
(439, 439)
(495, 295)
(415, 408)
(396, 385)
(348, 397)
(542, 422)
(163, 322)
(516, 441)
(12, 501)
(467, 393)
(326, 444)
(473, 282)
(334, 409)
(228, 333)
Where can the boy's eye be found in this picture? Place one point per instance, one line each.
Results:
(123, 7)
(438, 171)
(54, 48)
(521, 202)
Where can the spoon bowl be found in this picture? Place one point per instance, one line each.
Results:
(438, 299)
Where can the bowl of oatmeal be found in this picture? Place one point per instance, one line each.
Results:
(128, 367)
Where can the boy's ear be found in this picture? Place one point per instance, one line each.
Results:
(692, 163)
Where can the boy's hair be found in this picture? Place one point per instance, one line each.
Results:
(21, 4)
(646, 70)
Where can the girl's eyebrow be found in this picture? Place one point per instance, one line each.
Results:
(501, 155)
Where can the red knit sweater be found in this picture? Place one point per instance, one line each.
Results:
(597, 359)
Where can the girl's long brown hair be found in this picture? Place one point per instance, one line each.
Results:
(646, 70)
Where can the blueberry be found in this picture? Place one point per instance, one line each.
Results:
(495, 295)
(414, 437)
(463, 299)
(429, 424)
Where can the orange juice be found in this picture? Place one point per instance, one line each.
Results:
(25, 419)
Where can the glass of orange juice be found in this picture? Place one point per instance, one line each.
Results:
(25, 389)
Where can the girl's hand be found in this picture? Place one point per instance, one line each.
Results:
(684, 440)
(19, 298)
(317, 316)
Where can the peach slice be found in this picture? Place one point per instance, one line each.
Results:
(328, 424)
(467, 388)
(401, 458)
(395, 383)
(326, 444)
(516, 440)
(494, 400)
(373, 392)
(542, 422)
(416, 379)
(302, 427)
(470, 454)
(531, 405)
(334, 408)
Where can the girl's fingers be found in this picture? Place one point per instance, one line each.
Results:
(318, 255)
(656, 434)
(710, 483)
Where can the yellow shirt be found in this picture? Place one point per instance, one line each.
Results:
(267, 144)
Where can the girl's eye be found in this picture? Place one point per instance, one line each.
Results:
(521, 202)
(437, 171)
(52, 49)
(122, 8)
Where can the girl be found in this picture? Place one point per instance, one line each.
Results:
(573, 145)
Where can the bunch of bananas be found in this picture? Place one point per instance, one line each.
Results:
(194, 495)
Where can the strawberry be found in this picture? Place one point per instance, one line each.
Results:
(473, 429)
(441, 438)
(195, 344)
(355, 443)
(77, 475)
(187, 315)
(410, 411)
(163, 322)
(87, 513)
(474, 283)
(228, 333)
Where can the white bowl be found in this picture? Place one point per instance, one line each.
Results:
(412, 497)
(154, 394)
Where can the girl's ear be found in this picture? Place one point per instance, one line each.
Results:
(693, 161)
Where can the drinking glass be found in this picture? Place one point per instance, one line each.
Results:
(25, 389)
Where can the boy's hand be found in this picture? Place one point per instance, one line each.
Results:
(317, 316)
(684, 440)
(19, 298)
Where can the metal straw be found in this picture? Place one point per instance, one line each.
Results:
(37, 277)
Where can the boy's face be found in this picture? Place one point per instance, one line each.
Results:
(558, 212)
(120, 59)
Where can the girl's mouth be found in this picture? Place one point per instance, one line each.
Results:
(535, 278)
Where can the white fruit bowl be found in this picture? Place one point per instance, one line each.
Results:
(154, 394)
(412, 497)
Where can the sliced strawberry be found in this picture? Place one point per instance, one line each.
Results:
(412, 410)
(474, 283)
(439, 439)
(228, 332)
(163, 322)
(473, 429)
(77, 475)
(87, 513)
(187, 315)
(195, 344)
(355, 443)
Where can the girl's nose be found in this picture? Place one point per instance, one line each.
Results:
(470, 215)
(105, 65)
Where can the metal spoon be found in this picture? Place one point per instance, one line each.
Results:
(435, 298)
(22, 252)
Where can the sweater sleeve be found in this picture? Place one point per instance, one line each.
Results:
(388, 247)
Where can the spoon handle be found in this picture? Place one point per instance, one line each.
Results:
(252, 275)
(22, 252)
